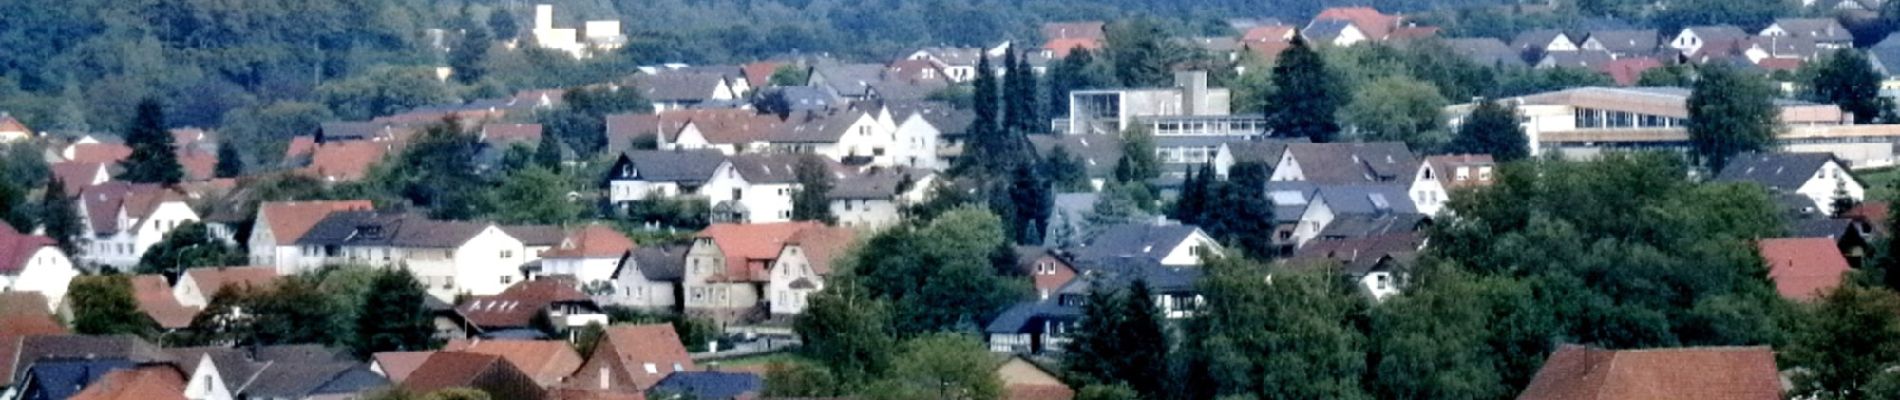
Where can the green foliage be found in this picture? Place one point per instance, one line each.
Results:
(1138, 163)
(293, 310)
(153, 158)
(190, 245)
(1080, 70)
(1457, 336)
(994, 150)
(581, 119)
(812, 200)
(1730, 112)
(535, 196)
(394, 317)
(503, 25)
(847, 332)
(1122, 341)
(1021, 108)
(1028, 202)
(103, 305)
(384, 91)
(59, 217)
(1117, 204)
(437, 172)
(1106, 392)
(1847, 79)
(1676, 14)
(230, 163)
(1235, 211)
(941, 366)
(1398, 109)
(670, 212)
(15, 212)
(24, 164)
(790, 75)
(1139, 52)
(1851, 342)
(1066, 170)
(1672, 75)
(588, 338)
(264, 131)
(1290, 337)
(469, 55)
(929, 274)
(1492, 128)
(1306, 95)
(799, 379)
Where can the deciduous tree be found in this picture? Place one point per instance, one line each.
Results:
(1730, 112)
(1492, 128)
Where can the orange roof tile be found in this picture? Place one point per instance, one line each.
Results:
(1269, 52)
(1061, 47)
(592, 241)
(1268, 33)
(1803, 268)
(822, 245)
(300, 146)
(152, 382)
(1628, 71)
(213, 279)
(507, 134)
(289, 220)
(1734, 373)
(638, 345)
(759, 74)
(198, 164)
(347, 160)
(108, 153)
(1377, 25)
(1873, 213)
(156, 301)
(516, 306)
(748, 248)
(397, 365)
(16, 326)
(10, 124)
(547, 361)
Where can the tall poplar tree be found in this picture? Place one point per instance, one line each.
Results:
(59, 217)
(1307, 96)
(153, 159)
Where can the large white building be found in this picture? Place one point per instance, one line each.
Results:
(1187, 108)
(449, 258)
(125, 219)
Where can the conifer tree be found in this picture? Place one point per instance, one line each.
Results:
(1144, 343)
(1031, 195)
(812, 201)
(394, 317)
(547, 153)
(154, 158)
(1306, 97)
(984, 155)
(230, 164)
(1095, 343)
(59, 218)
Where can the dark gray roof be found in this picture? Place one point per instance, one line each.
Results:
(1780, 172)
(1330, 163)
(906, 90)
(1136, 240)
(709, 385)
(235, 367)
(874, 184)
(1627, 41)
(823, 126)
(1261, 151)
(687, 166)
(1486, 51)
(1368, 199)
(50, 347)
(299, 380)
(371, 228)
(1359, 256)
(1576, 59)
(1819, 227)
(536, 235)
(334, 131)
(766, 168)
(1098, 152)
(678, 86)
(948, 119)
(1717, 33)
(849, 80)
(1819, 29)
(660, 263)
(808, 98)
(1886, 55)
(1347, 226)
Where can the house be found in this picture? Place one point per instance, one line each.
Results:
(489, 373)
(12, 130)
(1308, 211)
(589, 254)
(1043, 326)
(34, 264)
(1486, 51)
(77, 175)
(708, 385)
(59, 366)
(1692, 39)
(1338, 163)
(1440, 175)
(802, 267)
(1628, 71)
(1025, 380)
(1378, 264)
(853, 81)
(1061, 38)
(1766, 51)
(546, 361)
(1097, 153)
(632, 359)
(19, 321)
(728, 264)
(1109, 112)
(675, 90)
(1579, 372)
(1267, 34)
(730, 131)
(448, 257)
(1167, 244)
(1817, 176)
(1828, 33)
(1581, 59)
(640, 175)
(156, 301)
(1803, 269)
(125, 219)
(397, 365)
(1046, 269)
(1885, 56)
(154, 382)
(876, 197)
(514, 312)
(759, 189)
(1369, 23)
(346, 161)
(920, 128)
(280, 224)
(1534, 44)
(197, 286)
(504, 135)
(1335, 32)
(309, 372)
(1622, 43)
(850, 136)
(647, 278)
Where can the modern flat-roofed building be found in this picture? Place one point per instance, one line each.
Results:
(1583, 122)
(1110, 111)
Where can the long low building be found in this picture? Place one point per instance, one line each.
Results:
(1583, 122)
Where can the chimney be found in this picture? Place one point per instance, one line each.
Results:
(1193, 85)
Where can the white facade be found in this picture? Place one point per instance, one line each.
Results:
(632, 288)
(793, 282)
(1380, 284)
(122, 249)
(47, 271)
(484, 265)
(1428, 194)
(704, 295)
(205, 382)
(1830, 178)
(1349, 35)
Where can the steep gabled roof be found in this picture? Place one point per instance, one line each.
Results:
(1784, 172)
(711, 385)
(1486, 51)
(370, 228)
(156, 301)
(823, 245)
(1577, 372)
(213, 279)
(1375, 24)
(17, 248)
(1803, 268)
(1328, 163)
(685, 166)
(289, 220)
(103, 202)
(547, 361)
(660, 263)
(76, 175)
(743, 244)
(591, 241)
(15, 327)
(397, 365)
(1358, 256)
(678, 86)
(638, 345)
(536, 235)
(1134, 240)
(517, 306)
(347, 160)
(767, 168)
(1626, 41)
(149, 382)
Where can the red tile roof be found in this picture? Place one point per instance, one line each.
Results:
(1779, 64)
(1268, 52)
(638, 345)
(347, 160)
(10, 124)
(155, 300)
(1874, 213)
(759, 74)
(1628, 71)
(300, 146)
(289, 220)
(1803, 268)
(109, 153)
(151, 382)
(1375, 24)
(397, 365)
(212, 280)
(517, 306)
(198, 164)
(749, 248)
(592, 241)
(1077, 29)
(77, 175)
(1733, 373)
(450, 369)
(1268, 33)
(547, 361)
(16, 248)
(1060, 48)
(16, 325)
(823, 245)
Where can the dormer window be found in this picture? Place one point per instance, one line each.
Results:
(1464, 173)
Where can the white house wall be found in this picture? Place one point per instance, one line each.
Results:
(47, 271)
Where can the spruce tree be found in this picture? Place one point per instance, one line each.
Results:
(230, 164)
(1138, 163)
(1095, 344)
(547, 153)
(1033, 200)
(1144, 341)
(1012, 86)
(985, 152)
(1307, 95)
(1492, 128)
(812, 201)
(394, 317)
(1022, 107)
(470, 54)
(59, 217)
(154, 158)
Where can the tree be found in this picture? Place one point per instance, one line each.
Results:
(1239, 211)
(1448, 337)
(547, 153)
(1848, 79)
(581, 119)
(154, 158)
(1066, 170)
(1138, 162)
(798, 379)
(933, 276)
(790, 75)
(385, 91)
(1852, 341)
(1288, 338)
(103, 305)
(812, 200)
(188, 246)
(941, 366)
(991, 152)
(1115, 205)
(1398, 109)
(1672, 75)
(14, 210)
(1077, 71)
(1492, 128)
(470, 54)
(59, 219)
(535, 196)
(1106, 392)
(503, 24)
(847, 332)
(437, 172)
(1019, 96)
(587, 338)
(265, 130)
(394, 317)
(1031, 201)
(1139, 52)
(1094, 353)
(1306, 95)
(230, 163)
(1730, 112)
(1192, 207)
(1842, 202)
(1144, 350)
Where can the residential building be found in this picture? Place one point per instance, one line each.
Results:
(1043, 326)
(448, 257)
(1342, 163)
(1828, 33)
(1803, 269)
(744, 188)
(512, 314)
(875, 198)
(1098, 153)
(280, 224)
(1345, 26)
(729, 267)
(491, 374)
(34, 264)
(1623, 43)
(12, 130)
(1046, 269)
(676, 90)
(803, 266)
(157, 382)
(1064, 37)
(1580, 59)
(1439, 176)
(640, 175)
(77, 175)
(589, 254)
(1486, 51)
(921, 127)
(1691, 40)
(1580, 123)
(1379, 265)
(647, 278)
(1307, 211)
(156, 301)
(708, 385)
(595, 36)
(1110, 111)
(1335, 32)
(1575, 372)
(632, 359)
(548, 362)
(1534, 44)
(197, 286)
(1819, 177)
(1166, 244)
(125, 219)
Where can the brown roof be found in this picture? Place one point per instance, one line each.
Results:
(156, 301)
(1803, 268)
(76, 175)
(1078, 29)
(1873, 213)
(302, 145)
(822, 245)
(108, 153)
(759, 74)
(212, 280)
(346, 160)
(1060, 48)
(15, 327)
(547, 361)
(1268, 52)
(150, 382)
(103, 201)
(1413, 32)
(535, 235)
(592, 241)
(29, 303)
(592, 394)
(289, 220)
(397, 365)
(718, 125)
(1735, 373)
(506, 134)
(1628, 71)
(749, 248)
(638, 345)
(517, 306)
(15, 248)
(449, 369)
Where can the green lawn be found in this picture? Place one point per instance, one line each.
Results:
(1881, 182)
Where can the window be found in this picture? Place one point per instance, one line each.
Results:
(505, 279)
(1484, 173)
(507, 254)
(1382, 281)
(738, 194)
(1464, 173)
